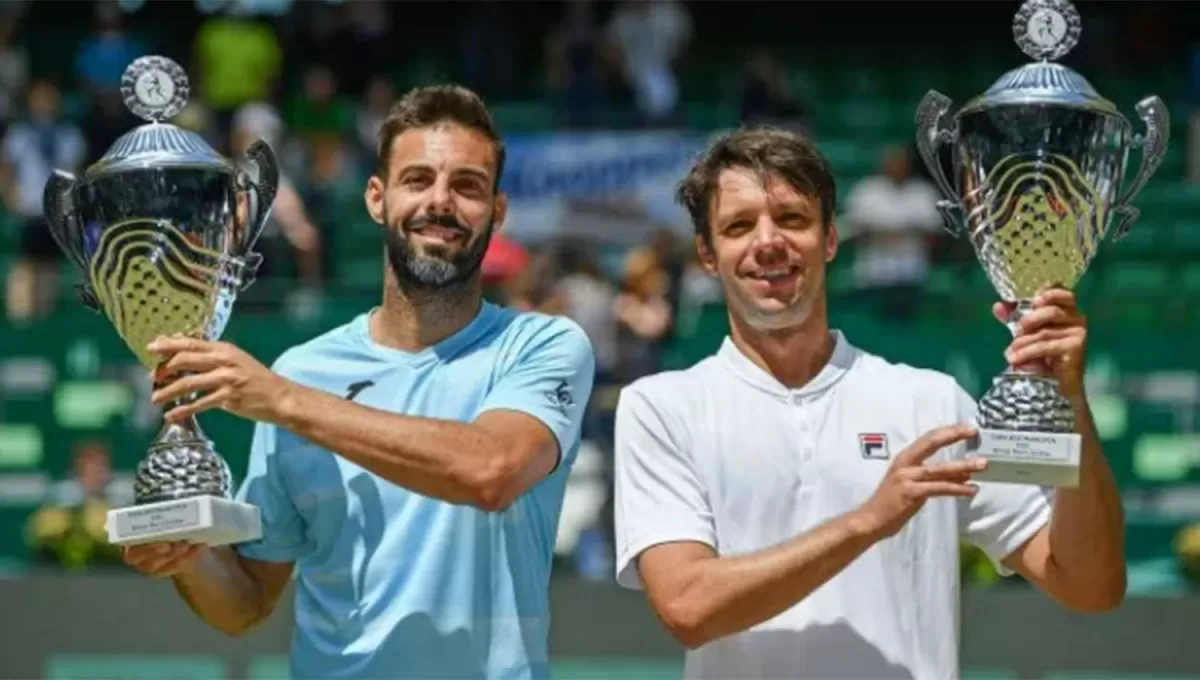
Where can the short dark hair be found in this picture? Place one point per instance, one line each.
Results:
(766, 150)
(428, 106)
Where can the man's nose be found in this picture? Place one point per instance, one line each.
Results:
(768, 239)
(440, 197)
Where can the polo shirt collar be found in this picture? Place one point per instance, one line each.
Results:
(839, 363)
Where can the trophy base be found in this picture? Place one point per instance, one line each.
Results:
(1036, 458)
(208, 520)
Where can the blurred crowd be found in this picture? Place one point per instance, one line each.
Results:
(316, 82)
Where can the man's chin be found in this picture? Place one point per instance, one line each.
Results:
(774, 315)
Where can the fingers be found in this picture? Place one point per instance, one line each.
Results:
(1057, 297)
(191, 384)
(931, 489)
(173, 344)
(188, 362)
(1003, 311)
(160, 559)
(933, 441)
(1052, 349)
(1054, 298)
(217, 400)
(1044, 318)
(953, 469)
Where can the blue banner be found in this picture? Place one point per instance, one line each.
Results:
(636, 173)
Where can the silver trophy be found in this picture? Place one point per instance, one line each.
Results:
(1039, 162)
(162, 228)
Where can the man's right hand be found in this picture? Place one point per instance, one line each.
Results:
(162, 560)
(910, 482)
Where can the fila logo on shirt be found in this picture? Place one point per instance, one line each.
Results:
(873, 446)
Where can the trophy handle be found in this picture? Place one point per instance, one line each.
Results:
(930, 136)
(1153, 144)
(60, 219)
(264, 190)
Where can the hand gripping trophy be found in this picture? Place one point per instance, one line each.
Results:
(162, 228)
(1039, 162)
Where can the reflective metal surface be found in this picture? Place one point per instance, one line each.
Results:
(161, 229)
(1039, 163)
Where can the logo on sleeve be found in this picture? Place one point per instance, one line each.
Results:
(873, 446)
(560, 396)
(353, 390)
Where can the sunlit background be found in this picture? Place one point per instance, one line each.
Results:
(602, 104)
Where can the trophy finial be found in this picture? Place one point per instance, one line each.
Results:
(1046, 29)
(155, 88)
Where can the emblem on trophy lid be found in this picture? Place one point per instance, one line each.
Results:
(1046, 29)
(155, 88)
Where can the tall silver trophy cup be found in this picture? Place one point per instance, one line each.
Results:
(1038, 167)
(162, 228)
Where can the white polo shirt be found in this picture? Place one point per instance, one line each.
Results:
(724, 454)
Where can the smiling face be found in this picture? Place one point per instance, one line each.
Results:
(438, 204)
(436, 189)
(768, 245)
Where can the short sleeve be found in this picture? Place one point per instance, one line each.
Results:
(284, 536)
(659, 496)
(1001, 517)
(551, 380)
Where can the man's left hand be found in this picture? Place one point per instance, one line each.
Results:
(224, 377)
(1051, 339)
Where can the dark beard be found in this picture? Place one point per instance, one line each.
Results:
(435, 271)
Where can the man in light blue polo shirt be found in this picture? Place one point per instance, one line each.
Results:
(410, 465)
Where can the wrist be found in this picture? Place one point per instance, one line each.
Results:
(286, 406)
(862, 525)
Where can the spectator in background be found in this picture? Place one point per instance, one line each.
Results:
(650, 36)
(238, 61)
(32, 149)
(585, 296)
(644, 316)
(103, 58)
(575, 60)
(766, 98)
(893, 217)
(68, 530)
(108, 118)
(376, 102)
(323, 121)
(289, 221)
(14, 66)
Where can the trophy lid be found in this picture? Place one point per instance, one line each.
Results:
(1045, 30)
(156, 89)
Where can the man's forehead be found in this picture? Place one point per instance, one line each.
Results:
(737, 184)
(444, 144)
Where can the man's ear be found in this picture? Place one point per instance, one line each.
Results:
(499, 210)
(373, 197)
(831, 241)
(708, 259)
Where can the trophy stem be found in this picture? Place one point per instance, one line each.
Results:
(181, 463)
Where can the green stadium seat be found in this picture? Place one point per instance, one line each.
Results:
(1146, 237)
(1185, 237)
(1135, 294)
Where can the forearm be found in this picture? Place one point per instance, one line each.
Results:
(1087, 529)
(725, 595)
(455, 461)
(222, 592)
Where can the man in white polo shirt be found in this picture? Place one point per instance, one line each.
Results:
(793, 506)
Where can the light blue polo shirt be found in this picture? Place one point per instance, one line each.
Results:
(394, 584)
